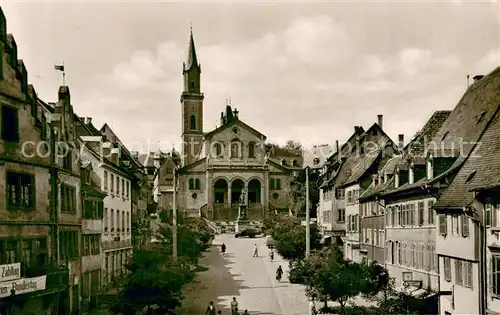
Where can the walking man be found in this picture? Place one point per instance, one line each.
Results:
(279, 273)
(223, 249)
(255, 251)
(234, 307)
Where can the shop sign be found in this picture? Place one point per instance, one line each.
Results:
(10, 272)
(22, 286)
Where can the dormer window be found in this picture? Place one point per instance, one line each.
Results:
(411, 175)
(283, 162)
(430, 167)
(316, 161)
(295, 163)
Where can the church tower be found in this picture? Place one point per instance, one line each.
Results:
(192, 107)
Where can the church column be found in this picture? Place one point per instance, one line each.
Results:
(209, 188)
(246, 193)
(229, 194)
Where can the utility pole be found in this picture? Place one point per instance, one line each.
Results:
(308, 223)
(174, 217)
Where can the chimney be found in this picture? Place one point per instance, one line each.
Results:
(380, 121)
(337, 145)
(375, 179)
(88, 120)
(221, 118)
(401, 141)
(477, 77)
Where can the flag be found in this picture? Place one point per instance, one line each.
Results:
(60, 68)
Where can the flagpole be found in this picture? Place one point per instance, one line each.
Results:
(64, 75)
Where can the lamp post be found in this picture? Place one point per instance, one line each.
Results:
(174, 216)
(308, 223)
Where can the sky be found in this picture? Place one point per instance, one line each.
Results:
(305, 71)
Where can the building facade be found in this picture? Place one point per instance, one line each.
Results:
(92, 217)
(219, 165)
(29, 209)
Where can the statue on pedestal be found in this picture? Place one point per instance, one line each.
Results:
(242, 206)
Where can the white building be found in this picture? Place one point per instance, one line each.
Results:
(116, 230)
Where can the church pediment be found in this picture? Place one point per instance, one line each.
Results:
(235, 129)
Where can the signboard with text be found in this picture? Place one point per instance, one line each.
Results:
(10, 272)
(22, 286)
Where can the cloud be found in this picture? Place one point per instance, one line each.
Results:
(304, 82)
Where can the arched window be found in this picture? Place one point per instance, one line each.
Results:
(192, 122)
(251, 149)
(197, 183)
(294, 163)
(235, 149)
(191, 184)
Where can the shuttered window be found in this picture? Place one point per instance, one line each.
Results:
(442, 224)
(447, 269)
(465, 225)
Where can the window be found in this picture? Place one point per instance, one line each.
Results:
(118, 186)
(10, 124)
(495, 274)
(393, 211)
(68, 199)
(235, 149)
(430, 210)
(197, 183)
(191, 183)
(488, 214)
(399, 215)
(112, 184)
(421, 213)
(123, 187)
(455, 228)
(20, 191)
(93, 209)
(275, 184)
(458, 272)
(465, 225)
(447, 269)
(128, 189)
(105, 180)
(106, 219)
(192, 122)
(468, 274)
(412, 213)
(67, 155)
(68, 245)
(341, 215)
(112, 225)
(118, 212)
(443, 224)
(251, 149)
(91, 244)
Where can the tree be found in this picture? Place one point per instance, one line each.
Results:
(154, 279)
(298, 192)
(329, 276)
(290, 237)
(293, 145)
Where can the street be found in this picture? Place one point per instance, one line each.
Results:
(250, 279)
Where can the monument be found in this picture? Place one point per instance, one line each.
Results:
(242, 223)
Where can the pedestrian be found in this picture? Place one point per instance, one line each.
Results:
(223, 248)
(246, 312)
(279, 273)
(219, 312)
(312, 307)
(210, 309)
(271, 254)
(234, 307)
(255, 251)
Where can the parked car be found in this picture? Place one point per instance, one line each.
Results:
(270, 242)
(251, 233)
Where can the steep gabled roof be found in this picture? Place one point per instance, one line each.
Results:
(481, 169)
(105, 128)
(234, 122)
(416, 148)
(469, 118)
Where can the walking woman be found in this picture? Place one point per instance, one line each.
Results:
(210, 309)
(279, 273)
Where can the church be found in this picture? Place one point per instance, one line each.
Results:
(218, 165)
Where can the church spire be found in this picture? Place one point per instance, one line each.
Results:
(192, 59)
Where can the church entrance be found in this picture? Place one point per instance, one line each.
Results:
(220, 191)
(236, 188)
(254, 191)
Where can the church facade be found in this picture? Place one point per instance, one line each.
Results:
(217, 166)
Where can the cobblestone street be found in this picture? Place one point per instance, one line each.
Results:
(251, 280)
